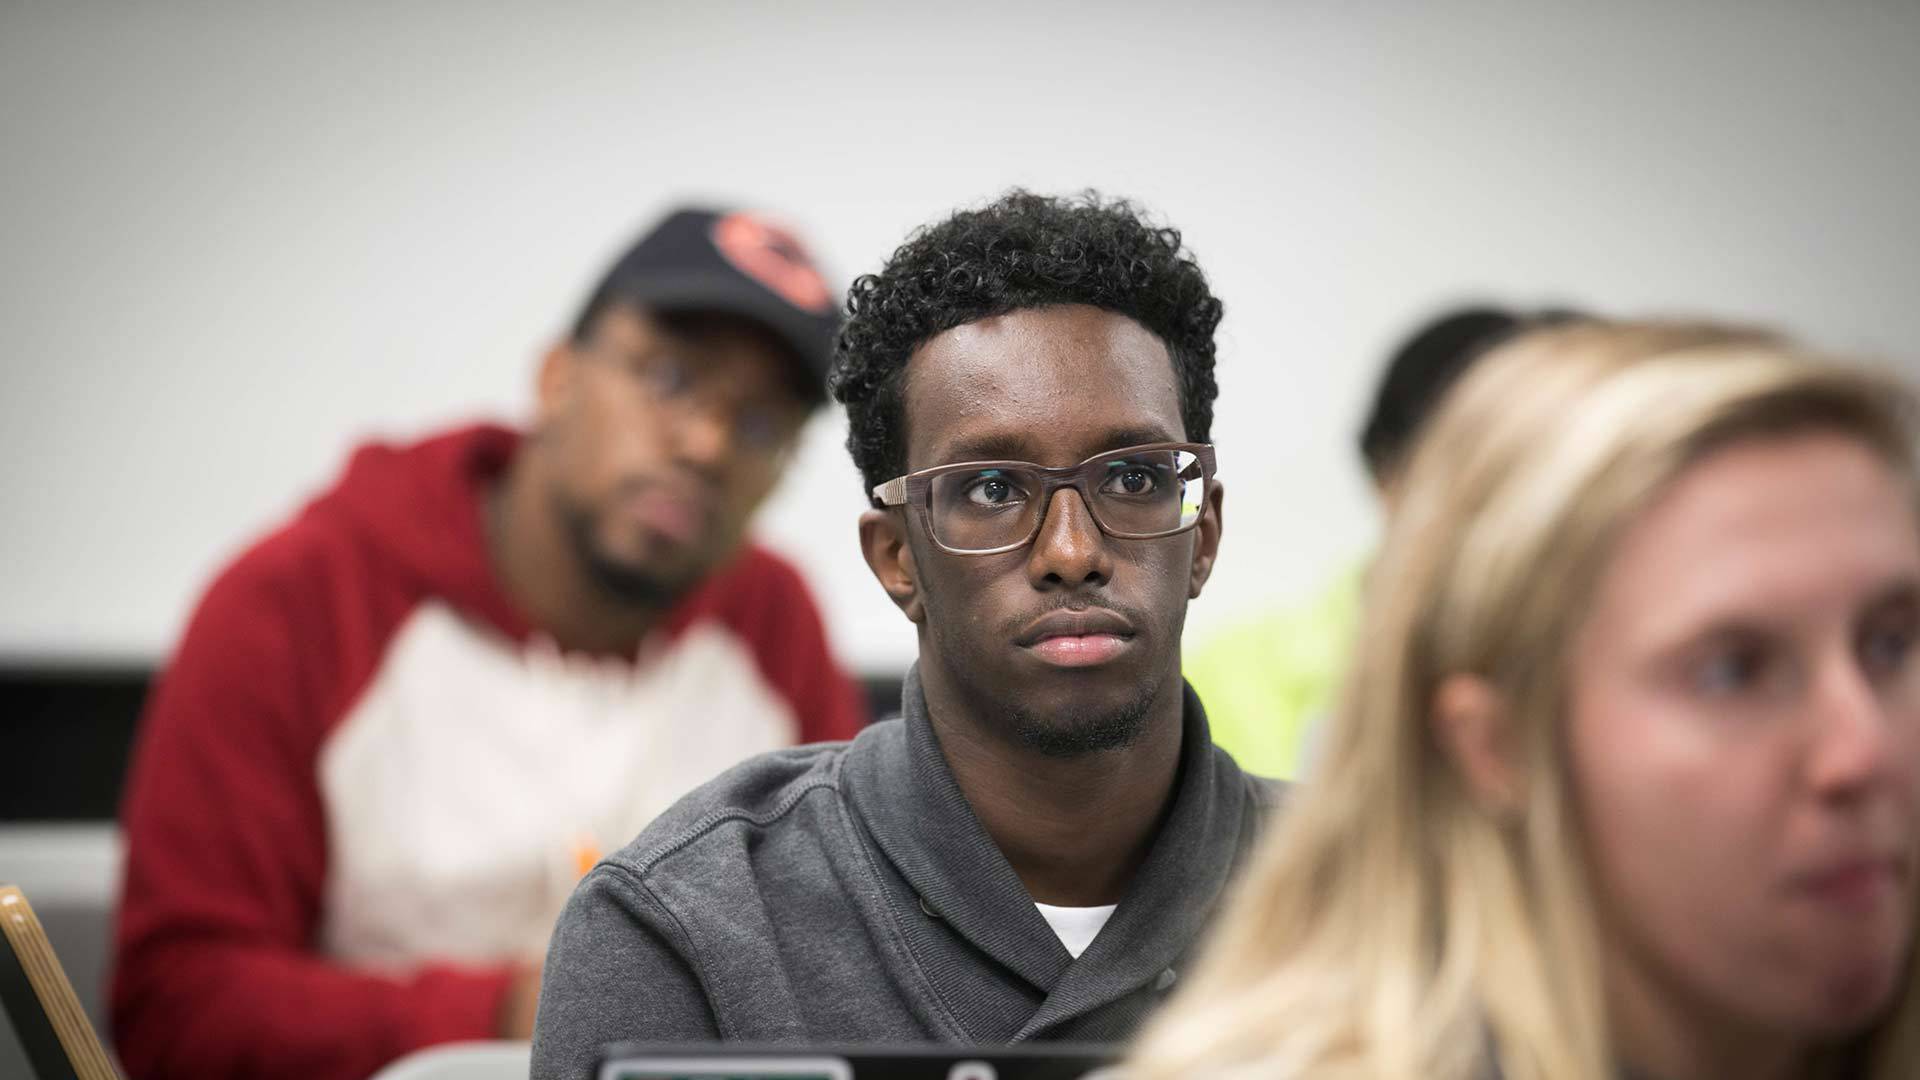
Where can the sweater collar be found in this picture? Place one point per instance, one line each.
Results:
(923, 824)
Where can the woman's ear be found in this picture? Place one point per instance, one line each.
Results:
(1207, 540)
(883, 540)
(1474, 727)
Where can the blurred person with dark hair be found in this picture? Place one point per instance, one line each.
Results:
(1418, 375)
(1030, 851)
(399, 728)
(1268, 681)
(1627, 779)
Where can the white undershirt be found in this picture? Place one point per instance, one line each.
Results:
(1076, 927)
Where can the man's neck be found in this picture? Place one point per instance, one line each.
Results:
(1075, 829)
(542, 575)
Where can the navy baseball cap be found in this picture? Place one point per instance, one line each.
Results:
(737, 262)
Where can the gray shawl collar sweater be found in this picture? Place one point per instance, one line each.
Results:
(846, 893)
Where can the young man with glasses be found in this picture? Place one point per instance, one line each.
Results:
(1031, 851)
(401, 727)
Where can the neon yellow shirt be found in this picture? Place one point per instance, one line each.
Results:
(1267, 683)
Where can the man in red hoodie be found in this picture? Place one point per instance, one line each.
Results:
(399, 728)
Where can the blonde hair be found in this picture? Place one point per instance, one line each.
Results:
(1390, 927)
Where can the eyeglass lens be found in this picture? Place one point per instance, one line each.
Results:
(1141, 494)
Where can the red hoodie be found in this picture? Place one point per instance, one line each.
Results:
(364, 786)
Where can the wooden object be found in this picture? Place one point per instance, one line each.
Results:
(46, 1015)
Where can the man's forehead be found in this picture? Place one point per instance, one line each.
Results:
(1039, 384)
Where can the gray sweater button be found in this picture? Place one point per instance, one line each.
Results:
(1165, 981)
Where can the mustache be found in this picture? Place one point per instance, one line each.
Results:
(1014, 627)
(679, 483)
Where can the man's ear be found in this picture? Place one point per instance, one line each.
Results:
(554, 383)
(1207, 540)
(1474, 727)
(883, 540)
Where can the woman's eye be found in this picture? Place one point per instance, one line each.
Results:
(1731, 670)
(1134, 480)
(1886, 647)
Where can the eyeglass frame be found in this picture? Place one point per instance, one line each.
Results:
(914, 491)
(648, 371)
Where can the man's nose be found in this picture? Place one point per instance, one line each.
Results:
(1070, 549)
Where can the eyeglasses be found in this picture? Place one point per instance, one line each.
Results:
(671, 381)
(988, 507)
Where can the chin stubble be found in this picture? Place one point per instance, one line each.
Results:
(1076, 732)
(627, 585)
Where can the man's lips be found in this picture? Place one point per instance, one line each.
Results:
(1087, 650)
(677, 518)
(1084, 638)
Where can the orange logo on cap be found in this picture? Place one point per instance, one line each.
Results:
(773, 257)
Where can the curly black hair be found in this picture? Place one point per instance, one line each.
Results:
(1021, 251)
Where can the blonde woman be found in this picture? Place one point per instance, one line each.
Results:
(1624, 782)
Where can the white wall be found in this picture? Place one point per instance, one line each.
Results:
(236, 238)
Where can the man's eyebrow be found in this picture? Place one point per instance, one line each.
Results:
(992, 447)
(1004, 446)
(1122, 437)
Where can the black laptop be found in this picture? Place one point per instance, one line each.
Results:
(727, 1061)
